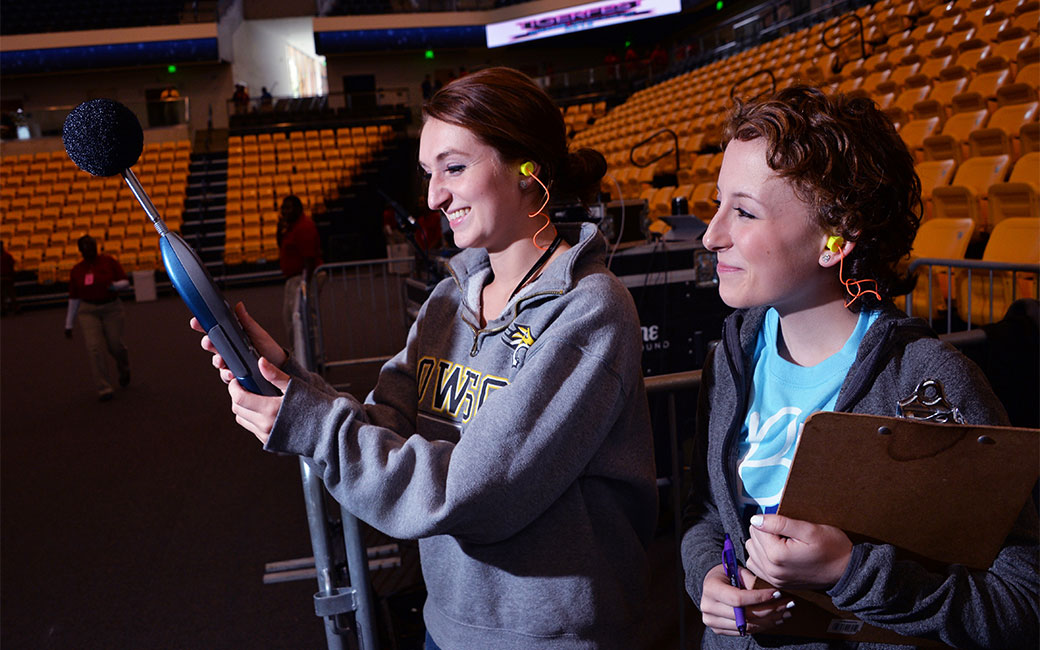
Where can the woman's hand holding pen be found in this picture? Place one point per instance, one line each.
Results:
(763, 608)
(797, 554)
(255, 413)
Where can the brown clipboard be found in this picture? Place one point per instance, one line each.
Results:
(941, 493)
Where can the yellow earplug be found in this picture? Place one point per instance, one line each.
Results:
(834, 243)
(527, 168)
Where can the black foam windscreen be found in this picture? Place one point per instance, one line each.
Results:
(103, 137)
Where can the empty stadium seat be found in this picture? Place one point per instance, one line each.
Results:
(914, 133)
(933, 173)
(939, 101)
(1019, 196)
(966, 196)
(1013, 240)
(981, 91)
(1000, 135)
(952, 142)
(942, 239)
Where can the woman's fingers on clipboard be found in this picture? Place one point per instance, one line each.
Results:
(792, 553)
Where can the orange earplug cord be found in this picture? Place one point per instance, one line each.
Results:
(527, 169)
(854, 287)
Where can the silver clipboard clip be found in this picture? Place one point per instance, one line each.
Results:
(929, 403)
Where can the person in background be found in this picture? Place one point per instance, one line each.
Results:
(511, 436)
(171, 107)
(818, 202)
(94, 284)
(240, 99)
(299, 251)
(8, 295)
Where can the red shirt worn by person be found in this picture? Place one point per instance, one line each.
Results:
(298, 244)
(90, 281)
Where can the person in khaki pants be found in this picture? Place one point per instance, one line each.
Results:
(93, 287)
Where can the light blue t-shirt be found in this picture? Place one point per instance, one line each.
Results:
(783, 395)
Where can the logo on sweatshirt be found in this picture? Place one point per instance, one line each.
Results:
(454, 390)
(519, 338)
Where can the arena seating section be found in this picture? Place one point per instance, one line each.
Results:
(48, 204)
(958, 79)
(265, 168)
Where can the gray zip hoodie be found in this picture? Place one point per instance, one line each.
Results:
(519, 454)
(995, 609)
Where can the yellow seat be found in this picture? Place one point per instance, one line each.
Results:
(233, 253)
(981, 91)
(111, 247)
(26, 228)
(53, 253)
(148, 259)
(1004, 55)
(659, 200)
(131, 244)
(47, 272)
(1019, 196)
(707, 170)
(952, 142)
(940, 99)
(128, 260)
(269, 249)
(1019, 92)
(929, 70)
(233, 234)
(1015, 241)
(933, 173)
(966, 196)
(65, 267)
(18, 243)
(82, 223)
(988, 31)
(968, 57)
(252, 250)
(702, 201)
(1029, 137)
(1000, 135)
(914, 133)
(31, 258)
(1027, 20)
(39, 240)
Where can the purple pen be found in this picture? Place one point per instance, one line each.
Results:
(729, 562)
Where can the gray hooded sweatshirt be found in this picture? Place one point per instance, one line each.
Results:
(519, 454)
(995, 609)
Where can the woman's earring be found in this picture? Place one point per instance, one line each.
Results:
(826, 258)
(524, 183)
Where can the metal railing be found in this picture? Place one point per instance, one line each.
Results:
(367, 302)
(333, 599)
(47, 121)
(993, 272)
(646, 141)
(670, 385)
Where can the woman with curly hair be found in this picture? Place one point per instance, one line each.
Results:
(817, 203)
(511, 435)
